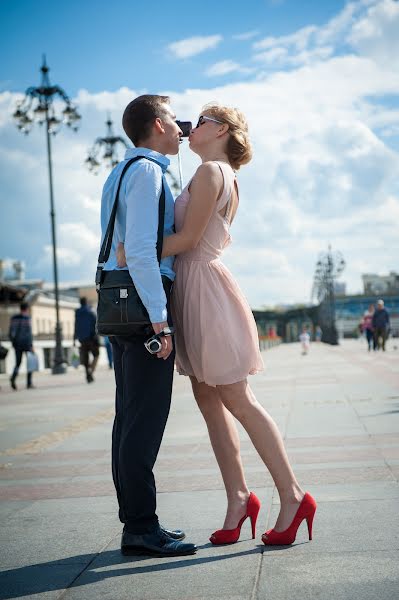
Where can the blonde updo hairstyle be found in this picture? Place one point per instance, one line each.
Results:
(239, 149)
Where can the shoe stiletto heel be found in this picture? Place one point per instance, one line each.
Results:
(309, 521)
(306, 510)
(231, 536)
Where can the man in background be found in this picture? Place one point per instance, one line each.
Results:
(20, 334)
(380, 325)
(85, 332)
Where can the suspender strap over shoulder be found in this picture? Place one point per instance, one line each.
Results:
(107, 241)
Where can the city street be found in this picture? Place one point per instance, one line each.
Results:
(338, 409)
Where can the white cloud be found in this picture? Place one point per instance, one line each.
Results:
(224, 67)
(376, 34)
(299, 39)
(194, 45)
(248, 35)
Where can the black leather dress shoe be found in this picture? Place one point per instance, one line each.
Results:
(175, 534)
(157, 544)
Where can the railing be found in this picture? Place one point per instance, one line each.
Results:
(267, 341)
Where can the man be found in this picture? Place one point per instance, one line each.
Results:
(143, 380)
(85, 332)
(20, 334)
(380, 325)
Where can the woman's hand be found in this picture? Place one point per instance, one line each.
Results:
(120, 255)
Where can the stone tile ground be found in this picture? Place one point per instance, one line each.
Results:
(338, 409)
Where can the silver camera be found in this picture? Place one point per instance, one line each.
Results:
(153, 344)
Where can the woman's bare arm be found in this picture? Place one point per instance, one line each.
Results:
(204, 191)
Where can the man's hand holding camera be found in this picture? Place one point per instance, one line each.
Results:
(165, 339)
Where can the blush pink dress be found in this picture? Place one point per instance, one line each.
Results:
(216, 336)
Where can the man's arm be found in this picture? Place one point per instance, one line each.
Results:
(143, 190)
(13, 329)
(75, 337)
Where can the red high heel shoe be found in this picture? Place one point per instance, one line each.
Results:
(306, 510)
(231, 536)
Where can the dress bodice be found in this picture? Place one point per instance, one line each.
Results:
(217, 233)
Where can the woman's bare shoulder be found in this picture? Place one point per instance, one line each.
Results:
(209, 170)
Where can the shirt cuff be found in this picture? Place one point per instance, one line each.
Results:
(158, 314)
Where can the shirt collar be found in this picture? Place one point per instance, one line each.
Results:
(159, 158)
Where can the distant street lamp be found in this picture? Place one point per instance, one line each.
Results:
(105, 149)
(328, 268)
(37, 106)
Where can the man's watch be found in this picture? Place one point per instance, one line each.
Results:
(166, 331)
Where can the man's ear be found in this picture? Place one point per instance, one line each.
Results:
(159, 125)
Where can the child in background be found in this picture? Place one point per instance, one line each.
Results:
(304, 338)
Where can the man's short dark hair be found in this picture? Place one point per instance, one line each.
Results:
(140, 114)
(24, 306)
(83, 301)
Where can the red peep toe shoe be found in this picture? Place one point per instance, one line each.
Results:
(306, 510)
(231, 536)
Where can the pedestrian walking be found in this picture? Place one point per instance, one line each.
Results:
(366, 327)
(85, 332)
(143, 379)
(381, 324)
(20, 334)
(318, 333)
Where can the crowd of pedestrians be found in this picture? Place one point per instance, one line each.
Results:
(21, 337)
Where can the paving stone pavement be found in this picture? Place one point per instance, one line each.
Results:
(338, 409)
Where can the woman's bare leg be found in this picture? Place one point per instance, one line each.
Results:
(225, 442)
(239, 399)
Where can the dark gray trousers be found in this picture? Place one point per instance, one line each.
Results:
(143, 395)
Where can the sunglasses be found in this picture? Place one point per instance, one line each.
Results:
(203, 120)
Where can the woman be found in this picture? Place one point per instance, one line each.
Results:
(216, 336)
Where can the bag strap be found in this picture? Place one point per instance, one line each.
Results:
(107, 241)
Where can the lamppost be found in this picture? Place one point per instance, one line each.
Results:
(109, 144)
(38, 106)
(328, 268)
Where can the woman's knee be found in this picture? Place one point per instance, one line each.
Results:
(239, 399)
(207, 398)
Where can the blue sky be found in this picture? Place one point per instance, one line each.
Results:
(318, 82)
(103, 45)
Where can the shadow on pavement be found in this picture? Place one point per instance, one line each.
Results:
(61, 574)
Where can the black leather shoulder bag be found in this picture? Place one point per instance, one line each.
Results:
(120, 310)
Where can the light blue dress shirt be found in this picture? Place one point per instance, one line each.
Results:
(136, 225)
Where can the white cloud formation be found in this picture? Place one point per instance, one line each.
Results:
(376, 34)
(324, 167)
(194, 45)
(360, 23)
(299, 40)
(247, 35)
(225, 67)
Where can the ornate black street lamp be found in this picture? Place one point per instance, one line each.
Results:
(105, 149)
(37, 106)
(328, 268)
